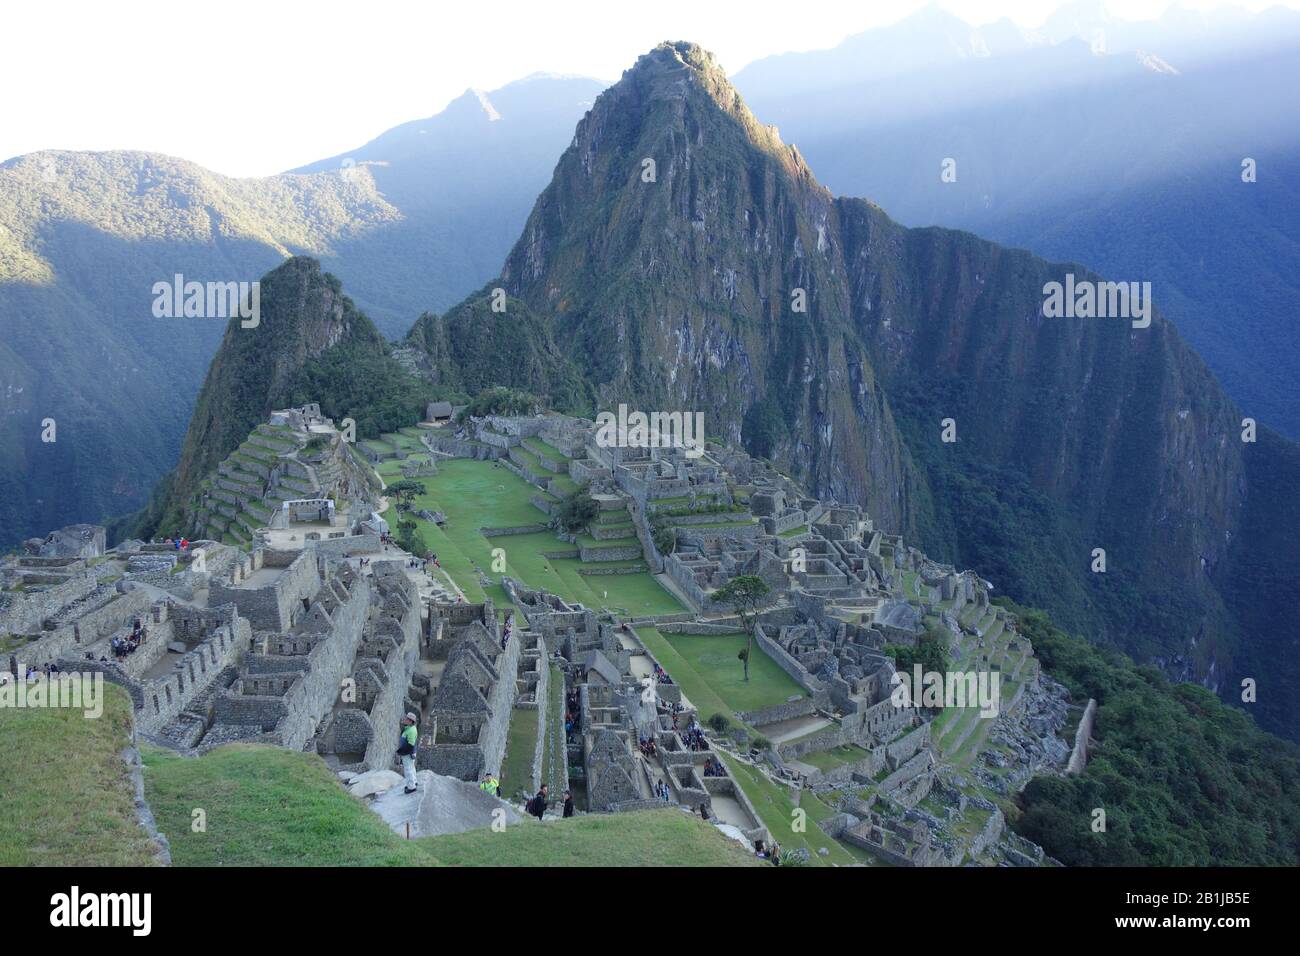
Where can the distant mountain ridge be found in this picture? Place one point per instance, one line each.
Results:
(421, 216)
(1093, 139)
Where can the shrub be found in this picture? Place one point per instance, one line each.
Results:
(577, 510)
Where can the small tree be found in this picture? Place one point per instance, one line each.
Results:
(663, 534)
(745, 594)
(409, 537)
(577, 510)
(930, 651)
(405, 492)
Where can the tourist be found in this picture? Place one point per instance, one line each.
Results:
(568, 804)
(406, 750)
(537, 805)
(490, 784)
(775, 853)
(759, 850)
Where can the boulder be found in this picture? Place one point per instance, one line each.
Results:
(375, 781)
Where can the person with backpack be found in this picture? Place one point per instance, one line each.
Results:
(406, 751)
(537, 805)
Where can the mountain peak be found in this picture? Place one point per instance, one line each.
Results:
(670, 73)
(670, 65)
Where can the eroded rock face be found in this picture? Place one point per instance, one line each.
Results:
(683, 257)
(687, 300)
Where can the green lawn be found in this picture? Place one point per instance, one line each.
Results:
(65, 794)
(776, 809)
(537, 446)
(665, 837)
(521, 747)
(827, 760)
(553, 752)
(474, 495)
(700, 693)
(714, 658)
(266, 806)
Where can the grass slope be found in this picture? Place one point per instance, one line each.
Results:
(266, 806)
(66, 795)
(665, 837)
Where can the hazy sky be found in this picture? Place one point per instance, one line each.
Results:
(253, 88)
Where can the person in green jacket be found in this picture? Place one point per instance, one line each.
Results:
(406, 751)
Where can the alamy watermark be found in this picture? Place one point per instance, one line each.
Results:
(1085, 299)
(935, 689)
(73, 690)
(179, 299)
(651, 430)
(75, 908)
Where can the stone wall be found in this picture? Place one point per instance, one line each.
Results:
(329, 662)
(277, 606)
(22, 612)
(461, 448)
(165, 697)
(351, 544)
(399, 667)
(501, 701)
(783, 660)
(803, 707)
(70, 639)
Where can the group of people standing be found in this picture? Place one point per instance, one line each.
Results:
(537, 805)
(122, 646)
(491, 783)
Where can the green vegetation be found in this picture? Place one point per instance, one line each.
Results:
(836, 757)
(930, 651)
(663, 533)
(511, 355)
(647, 838)
(521, 746)
(1185, 780)
(705, 667)
(577, 510)
(745, 593)
(265, 806)
(65, 790)
(405, 492)
(775, 806)
(312, 345)
(478, 494)
(499, 401)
